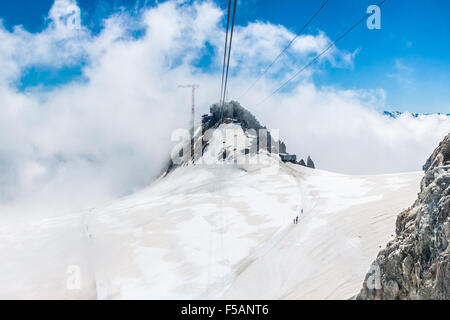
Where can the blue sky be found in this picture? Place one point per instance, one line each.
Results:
(408, 57)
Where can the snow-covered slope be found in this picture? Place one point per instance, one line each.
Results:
(347, 219)
(186, 236)
(214, 231)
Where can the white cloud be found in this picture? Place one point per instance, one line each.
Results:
(83, 143)
(402, 73)
(343, 132)
(257, 44)
(65, 17)
(62, 43)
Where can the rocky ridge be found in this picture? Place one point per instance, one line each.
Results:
(233, 112)
(416, 264)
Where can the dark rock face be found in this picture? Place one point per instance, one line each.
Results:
(310, 163)
(416, 264)
(440, 156)
(231, 110)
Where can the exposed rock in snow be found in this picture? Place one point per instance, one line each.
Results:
(440, 156)
(397, 114)
(416, 264)
(232, 112)
(310, 163)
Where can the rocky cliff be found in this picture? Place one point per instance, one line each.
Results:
(416, 264)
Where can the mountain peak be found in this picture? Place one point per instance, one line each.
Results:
(232, 113)
(231, 110)
(440, 156)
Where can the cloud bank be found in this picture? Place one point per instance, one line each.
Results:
(107, 133)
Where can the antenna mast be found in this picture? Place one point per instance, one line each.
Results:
(193, 87)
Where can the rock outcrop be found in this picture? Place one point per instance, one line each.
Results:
(232, 112)
(310, 163)
(416, 264)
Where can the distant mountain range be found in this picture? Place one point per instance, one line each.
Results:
(396, 114)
